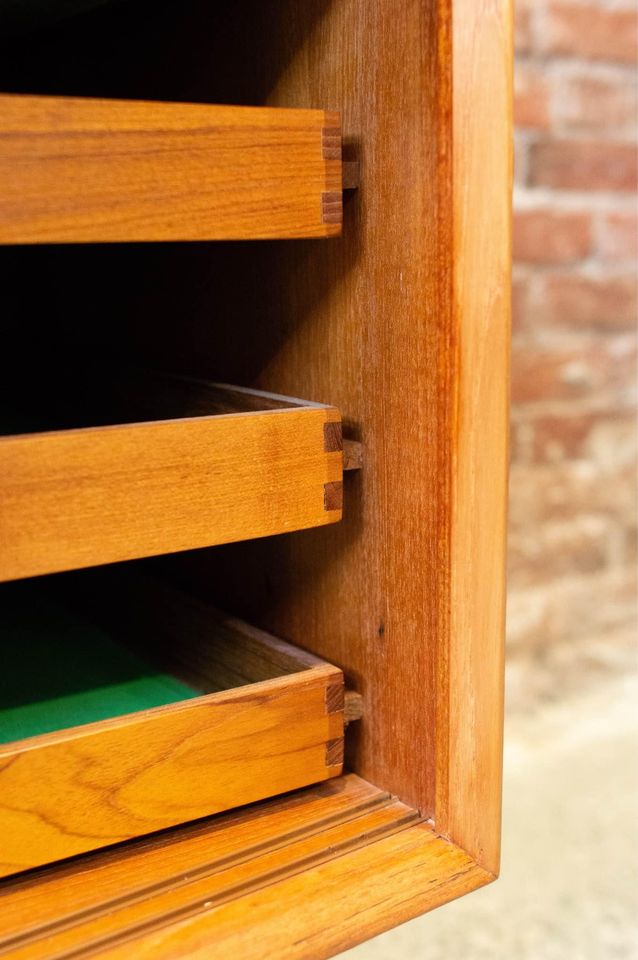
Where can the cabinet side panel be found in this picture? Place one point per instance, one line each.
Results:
(470, 701)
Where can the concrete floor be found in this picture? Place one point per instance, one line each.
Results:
(569, 883)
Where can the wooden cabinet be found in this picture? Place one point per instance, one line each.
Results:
(366, 154)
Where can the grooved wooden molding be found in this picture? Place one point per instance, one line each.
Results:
(301, 876)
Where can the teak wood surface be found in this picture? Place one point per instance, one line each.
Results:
(87, 170)
(299, 876)
(276, 723)
(470, 681)
(97, 495)
(402, 323)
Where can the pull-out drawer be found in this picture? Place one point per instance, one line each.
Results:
(208, 464)
(154, 710)
(77, 170)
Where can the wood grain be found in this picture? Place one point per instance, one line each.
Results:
(281, 863)
(89, 496)
(88, 170)
(403, 323)
(35, 902)
(364, 322)
(470, 694)
(409, 313)
(79, 789)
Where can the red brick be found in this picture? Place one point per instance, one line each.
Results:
(531, 98)
(573, 300)
(583, 165)
(578, 545)
(619, 237)
(522, 27)
(597, 370)
(590, 103)
(557, 437)
(576, 607)
(520, 299)
(551, 491)
(546, 236)
(576, 301)
(579, 435)
(573, 438)
(551, 669)
(518, 442)
(526, 284)
(590, 30)
(521, 148)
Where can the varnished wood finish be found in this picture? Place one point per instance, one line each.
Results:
(470, 691)
(309, 873)
(81, 169)
(277, 725)
(408, 312)
(51, 895)
(402, 322)
(365, 322)
(76, 498)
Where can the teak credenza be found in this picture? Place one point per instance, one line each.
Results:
(253, 467)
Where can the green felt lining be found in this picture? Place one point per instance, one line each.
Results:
(58, 670)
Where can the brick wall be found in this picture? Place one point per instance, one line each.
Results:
(573, 474)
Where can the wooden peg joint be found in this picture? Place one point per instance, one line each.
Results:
(333, 496)
(350, 174)
(352, 455)
(352, 706)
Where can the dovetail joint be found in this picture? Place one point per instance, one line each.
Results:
(332, 207)
(334, 753)
(331, 143)
(334, 697)
(333, 496)
(332, 437)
